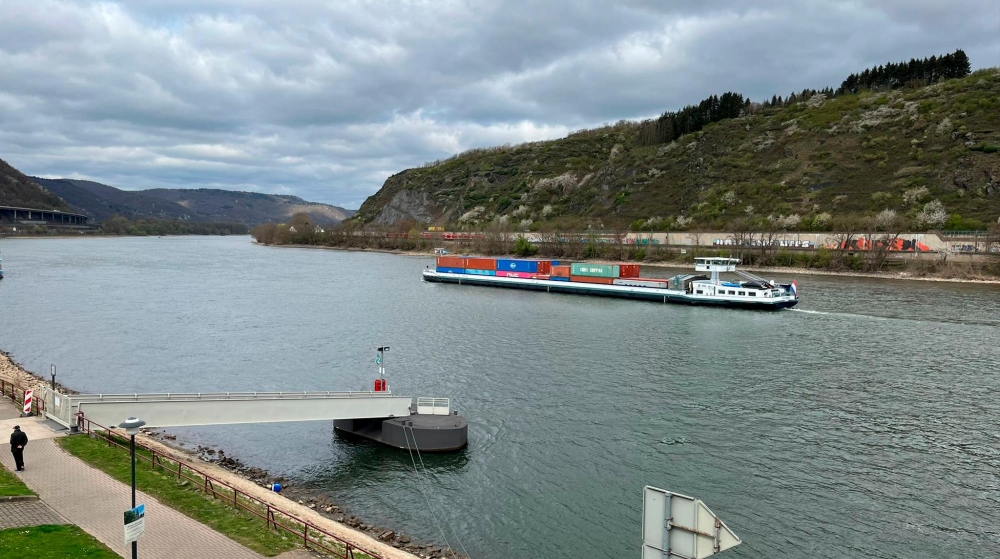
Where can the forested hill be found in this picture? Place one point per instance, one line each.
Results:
(101, 201)
(20, 191)
(817, 160)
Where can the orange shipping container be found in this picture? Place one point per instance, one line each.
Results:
(481, 263)
(628, 271)
(544, 267)
(560, 271)
(450, 262)
(588, 279)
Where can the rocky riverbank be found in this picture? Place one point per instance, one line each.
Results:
(321, 511)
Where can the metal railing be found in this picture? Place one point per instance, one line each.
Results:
(199, 396)
(16, 394)
(969, 233)
(311, 535)
(433, 406)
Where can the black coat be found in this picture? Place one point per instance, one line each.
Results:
(18, 438)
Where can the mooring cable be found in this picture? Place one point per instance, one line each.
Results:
(452, 528)
(422, 492)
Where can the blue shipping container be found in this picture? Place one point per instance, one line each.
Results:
(481, 272)
(451, 270)
(555, 262)
(557, 278)
(529, 266)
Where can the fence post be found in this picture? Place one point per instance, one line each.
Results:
(305, 534)
(178, 471)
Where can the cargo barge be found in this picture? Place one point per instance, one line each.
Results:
(621, 280)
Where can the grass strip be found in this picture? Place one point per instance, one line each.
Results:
(11, 485)
(191, 501)
(52, 541)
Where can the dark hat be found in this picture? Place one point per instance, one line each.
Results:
(17, 427)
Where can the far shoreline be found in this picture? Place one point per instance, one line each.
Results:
(673, 264)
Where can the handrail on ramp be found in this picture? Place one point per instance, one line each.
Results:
(433, 406)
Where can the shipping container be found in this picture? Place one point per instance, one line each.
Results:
(628, 270)
(545, 267)
(541, 277)
(595, 270)
(632, 282)
(450, 262)
(522, 275)
(530, 266)
(558, 278)
(475, 272)
(481, 263)
(561, 271)
(444, 270)
(591, 279)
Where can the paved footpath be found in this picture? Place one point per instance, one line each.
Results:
(95, 502)
(18, 514)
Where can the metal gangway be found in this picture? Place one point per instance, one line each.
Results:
(222, 408)
(749, 276)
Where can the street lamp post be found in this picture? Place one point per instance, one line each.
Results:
(131, 426)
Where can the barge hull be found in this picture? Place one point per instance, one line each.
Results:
(618, 291)
(426, 433)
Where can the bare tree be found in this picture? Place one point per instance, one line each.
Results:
(881, 238)
(743, 236)
(695, 238)
(619, 234)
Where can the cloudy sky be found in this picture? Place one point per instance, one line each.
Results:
(325, 100)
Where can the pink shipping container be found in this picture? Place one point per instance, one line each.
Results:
(523, 275)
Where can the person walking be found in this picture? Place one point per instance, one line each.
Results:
(18, 440)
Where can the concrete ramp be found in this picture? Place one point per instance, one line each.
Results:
(223, 408)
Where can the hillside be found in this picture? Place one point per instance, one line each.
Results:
(249, 207)
(928, 153)
(101, 201)
(20, 191)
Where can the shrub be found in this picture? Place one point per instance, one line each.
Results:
(523, 247)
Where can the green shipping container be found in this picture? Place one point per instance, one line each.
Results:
(595, 270)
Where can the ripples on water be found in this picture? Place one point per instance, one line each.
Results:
(861, 424)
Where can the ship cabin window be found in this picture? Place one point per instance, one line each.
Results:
(752, 293)
(700, 292)
(743, 293)
(732, 292)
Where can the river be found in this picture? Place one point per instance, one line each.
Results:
(861, 424)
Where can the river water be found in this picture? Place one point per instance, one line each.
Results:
(862, 424)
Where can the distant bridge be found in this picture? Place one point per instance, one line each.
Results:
(33, 216)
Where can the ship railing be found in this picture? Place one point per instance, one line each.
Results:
(433, 406)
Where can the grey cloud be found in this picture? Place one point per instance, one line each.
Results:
(324, 100)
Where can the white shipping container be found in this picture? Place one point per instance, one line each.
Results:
(641, 283)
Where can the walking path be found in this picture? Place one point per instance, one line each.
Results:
(95, 502)
(18, 514)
